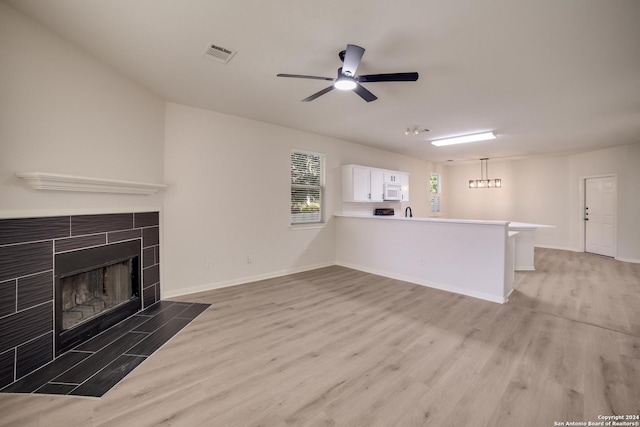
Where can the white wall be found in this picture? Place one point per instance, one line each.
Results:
(624, 162)
(629, 207)
(62, 111)
(229, 198)
(547, 190)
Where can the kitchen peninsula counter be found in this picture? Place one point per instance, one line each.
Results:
(421, 219)
(525, 244)
(469, 257)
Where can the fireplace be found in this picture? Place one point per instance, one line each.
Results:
(95, 288)
(34, 249)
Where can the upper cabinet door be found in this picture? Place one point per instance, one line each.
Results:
(404, 190)
(392, 177)
(361, 185)
(377, 185)
(356, 184)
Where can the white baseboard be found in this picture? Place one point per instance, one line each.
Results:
(508, 296)
(271, 275)
(560, 248)
(240, 281)
(631, 260)
(524, 268)
(634, 261)
(454, 289)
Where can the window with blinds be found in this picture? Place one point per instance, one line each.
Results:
(307, 187)
(434, 188)
(435, 204)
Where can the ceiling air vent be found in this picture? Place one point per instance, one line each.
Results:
(218, 53)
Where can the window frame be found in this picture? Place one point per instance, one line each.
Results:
(301, 223)
(435, 198)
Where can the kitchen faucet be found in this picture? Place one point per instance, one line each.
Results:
(408, 208)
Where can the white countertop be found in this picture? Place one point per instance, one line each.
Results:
(402, 218)
(527, 226)
(512, 224)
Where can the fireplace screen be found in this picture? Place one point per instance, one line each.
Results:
(90, 293)
(95, 289)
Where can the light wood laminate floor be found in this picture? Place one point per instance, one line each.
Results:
(338, 347)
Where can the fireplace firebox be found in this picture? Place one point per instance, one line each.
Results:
(95, 288)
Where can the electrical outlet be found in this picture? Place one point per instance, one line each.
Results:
(207, 265)
(249, 259)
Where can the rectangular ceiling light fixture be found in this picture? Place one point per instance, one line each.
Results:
(464, 139)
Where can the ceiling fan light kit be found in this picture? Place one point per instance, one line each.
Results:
(463, 139)
(345, 84)
(348, 80)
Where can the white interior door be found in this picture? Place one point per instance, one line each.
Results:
(599, 215)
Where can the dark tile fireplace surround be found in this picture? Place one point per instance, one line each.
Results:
(28, 249)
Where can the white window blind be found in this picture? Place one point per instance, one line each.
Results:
(435, 203)
(307, 187)
(435, 188)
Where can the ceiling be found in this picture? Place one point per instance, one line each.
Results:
(547, 76)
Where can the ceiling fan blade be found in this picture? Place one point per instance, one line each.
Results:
(298, 76)
(318, 94)
(391, 77)
(364, 93)
(352, 58)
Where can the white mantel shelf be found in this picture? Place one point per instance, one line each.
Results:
(58, 182)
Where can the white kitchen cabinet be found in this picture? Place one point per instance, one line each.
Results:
(392, 177)
(365, 184)
(377, 185)
(361, 184)
(404, 182)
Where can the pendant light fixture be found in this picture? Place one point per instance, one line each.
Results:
(482, 182)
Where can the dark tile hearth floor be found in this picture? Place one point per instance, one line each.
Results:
(95, 366)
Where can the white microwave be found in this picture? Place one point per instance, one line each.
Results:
(392, 191)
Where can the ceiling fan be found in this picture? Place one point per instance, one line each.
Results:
(347, 79)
